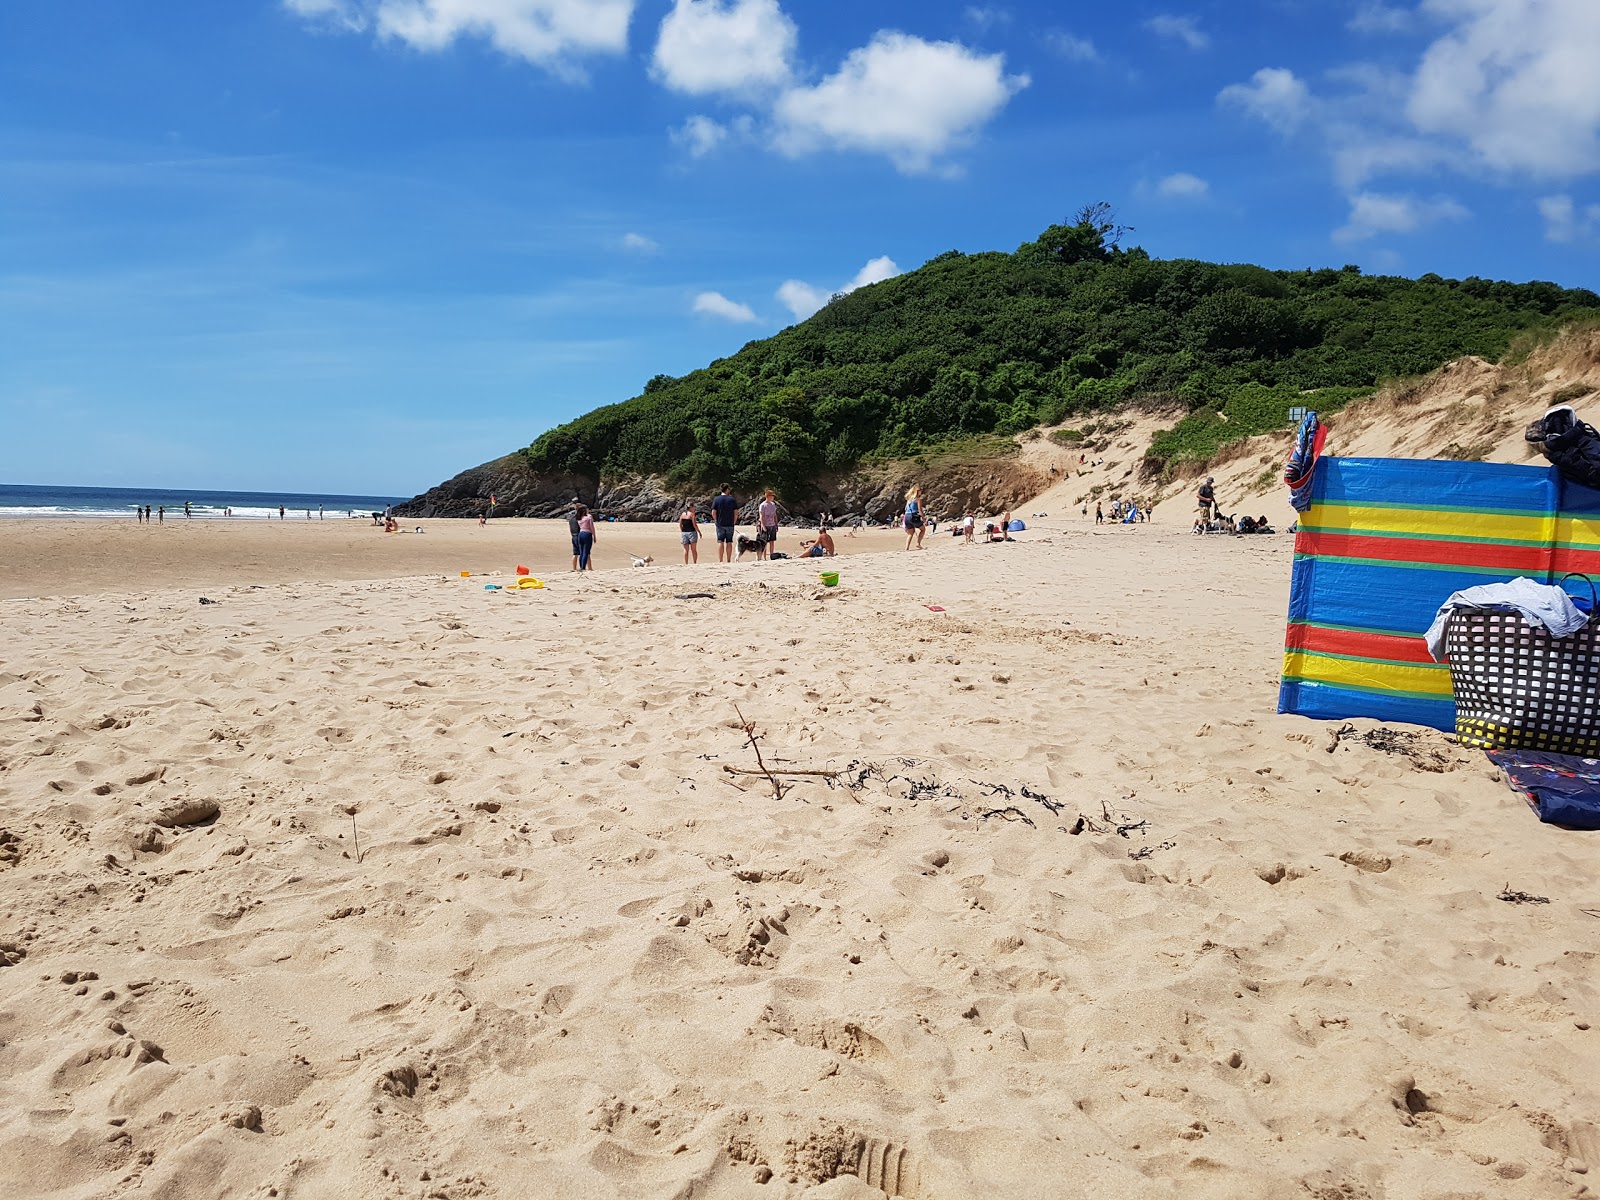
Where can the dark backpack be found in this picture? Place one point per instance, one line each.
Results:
(1571, 445)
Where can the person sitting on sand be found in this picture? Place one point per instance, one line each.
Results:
(821, 548)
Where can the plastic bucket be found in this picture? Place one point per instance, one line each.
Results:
(829, 578)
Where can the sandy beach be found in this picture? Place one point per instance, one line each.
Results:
(363, 881)
(70, 557)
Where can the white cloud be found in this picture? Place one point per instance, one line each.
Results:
(1070, 47)
(708, 46)
(1515, 80)
(802, 299)
(715, 304)
(901, 96)
(1274, 95)
(986, 16)
(1181, 29)
(1376, 18)
(700, 135)
(639, 244)
(1565, 222)
(1183, 186)
(336, 13)
(549, 33)
(1372, 213)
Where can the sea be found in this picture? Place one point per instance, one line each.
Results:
(52, 500)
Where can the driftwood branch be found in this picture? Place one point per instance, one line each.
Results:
(779, 771)
(755, 744)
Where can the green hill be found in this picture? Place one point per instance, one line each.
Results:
(996, 343)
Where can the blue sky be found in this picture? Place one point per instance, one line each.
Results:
(359, 245)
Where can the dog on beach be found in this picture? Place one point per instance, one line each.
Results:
(748, 543)
(648, 560)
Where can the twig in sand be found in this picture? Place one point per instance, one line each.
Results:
(755, 744)
(350, 810)
(779, 771)
(1511, 897)
(1011, 813)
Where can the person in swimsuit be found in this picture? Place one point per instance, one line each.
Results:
(689, 533)
(915, 527)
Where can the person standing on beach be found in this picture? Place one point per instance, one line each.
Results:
(280, 512)
(725, 512)
(767, 525)
(1206, 499)
(914, 526)
(585, 539)
(689, 533)
(574, 528)
(161, 514)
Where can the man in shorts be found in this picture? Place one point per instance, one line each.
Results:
(725, 512)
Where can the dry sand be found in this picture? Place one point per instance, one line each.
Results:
(576, 957)
(46, 557)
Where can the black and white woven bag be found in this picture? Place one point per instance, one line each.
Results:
(1519, 688)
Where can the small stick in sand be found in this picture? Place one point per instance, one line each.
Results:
(354, 832)
(780, 771)
(750, 733)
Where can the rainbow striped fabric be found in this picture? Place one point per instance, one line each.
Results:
(1384, 544)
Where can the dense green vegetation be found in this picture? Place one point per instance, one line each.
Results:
(1072, 323)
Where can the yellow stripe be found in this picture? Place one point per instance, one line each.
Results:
(1354, 518)
(1403, 677)
(1581, 533)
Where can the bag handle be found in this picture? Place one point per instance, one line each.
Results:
(1594, 597)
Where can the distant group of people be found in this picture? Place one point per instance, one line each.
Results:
(1123, 512)
(763, 542)
(142, 513)
(913, 520)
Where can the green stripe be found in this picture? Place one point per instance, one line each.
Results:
(1386, 662)
(1435, 697)
(1395, 505)
(1540, 543)
(1403, 566)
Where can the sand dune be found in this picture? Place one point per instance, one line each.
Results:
(1079, 917)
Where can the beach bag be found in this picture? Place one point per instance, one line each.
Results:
(1562, 788)
(1519, 688)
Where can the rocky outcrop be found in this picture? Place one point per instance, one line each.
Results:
(872, 493)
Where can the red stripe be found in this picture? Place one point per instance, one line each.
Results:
(1586, 561)
(1383, 646)
(1522, 560)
